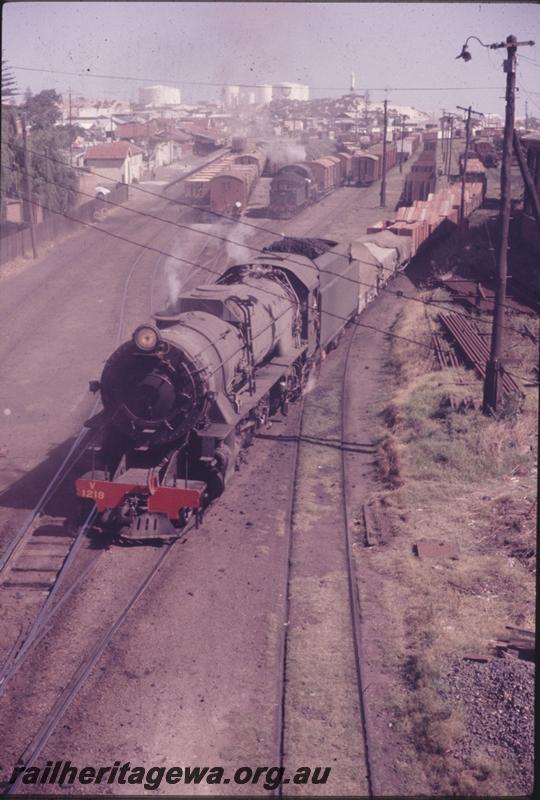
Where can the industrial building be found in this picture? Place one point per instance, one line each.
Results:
(159, 96)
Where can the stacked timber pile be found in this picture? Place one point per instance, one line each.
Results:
(519, 643)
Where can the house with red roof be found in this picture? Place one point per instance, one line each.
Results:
(120, 162)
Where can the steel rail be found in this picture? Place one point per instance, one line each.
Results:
(279, 732)
(280, 722)
(35, 748)
(47, 611)
(474, 347)
(51, 488)
(38, 626)
(81, 441)
(354, 599)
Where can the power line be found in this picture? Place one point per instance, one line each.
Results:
(247, 246)
(207, 269)
(531, 60)
(229, 219)
(259, 250)
(535, 104)
(345, 89)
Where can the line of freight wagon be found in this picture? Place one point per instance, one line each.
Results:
(295, 186)
(225, 185)
(394, 242)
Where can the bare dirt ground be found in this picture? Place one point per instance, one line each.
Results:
(213, 665)
(453, 476)
(191, 677)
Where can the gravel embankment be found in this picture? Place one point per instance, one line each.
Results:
(498, 696)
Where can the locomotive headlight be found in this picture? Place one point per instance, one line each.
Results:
(146, 338)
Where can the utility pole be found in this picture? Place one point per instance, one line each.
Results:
(450, 142)
(494, 368)
(28, 189)
(70, 132)
(383, 177)
(403, 117)
(443, 129)
(469, 111)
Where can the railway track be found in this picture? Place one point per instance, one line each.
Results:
(70, 684)
(320, 707)
(60, 582)
(39, 558)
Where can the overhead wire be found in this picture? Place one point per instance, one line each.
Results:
(230, 241)
(207, 269)
(528, 58)
(219, 84)
(291, 259)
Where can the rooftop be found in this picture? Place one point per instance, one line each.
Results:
(115, 151)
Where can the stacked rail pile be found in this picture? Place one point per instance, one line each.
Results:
(473, 347)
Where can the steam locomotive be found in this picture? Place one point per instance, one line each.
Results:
(186, 394)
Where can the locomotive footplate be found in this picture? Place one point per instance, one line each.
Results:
(168, 500)
(266, 377)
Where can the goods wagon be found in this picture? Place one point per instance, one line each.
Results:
(324, 174)
(337, 172)
(255, 157)
(196, 187)
(230, 190)
(391, 153)
(346, 166)
(407, 147)
(379, 256)
(367, 168)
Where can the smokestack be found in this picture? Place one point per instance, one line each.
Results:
(353, 81)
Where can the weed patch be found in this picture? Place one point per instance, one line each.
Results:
(452, 474)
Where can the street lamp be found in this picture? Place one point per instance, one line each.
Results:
(494, 367)
(466, 56)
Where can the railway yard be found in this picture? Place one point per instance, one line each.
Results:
(353, 598)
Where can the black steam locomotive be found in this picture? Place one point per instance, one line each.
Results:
(186, 394)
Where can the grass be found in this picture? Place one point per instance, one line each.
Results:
(454, 475)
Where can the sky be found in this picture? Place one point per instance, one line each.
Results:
(407, 48)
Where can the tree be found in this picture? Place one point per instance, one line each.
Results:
(11, 159)
(53, 182)
(9, 85)
(68, 133)
(42, 110)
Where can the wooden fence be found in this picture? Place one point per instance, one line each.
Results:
(57, 225)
